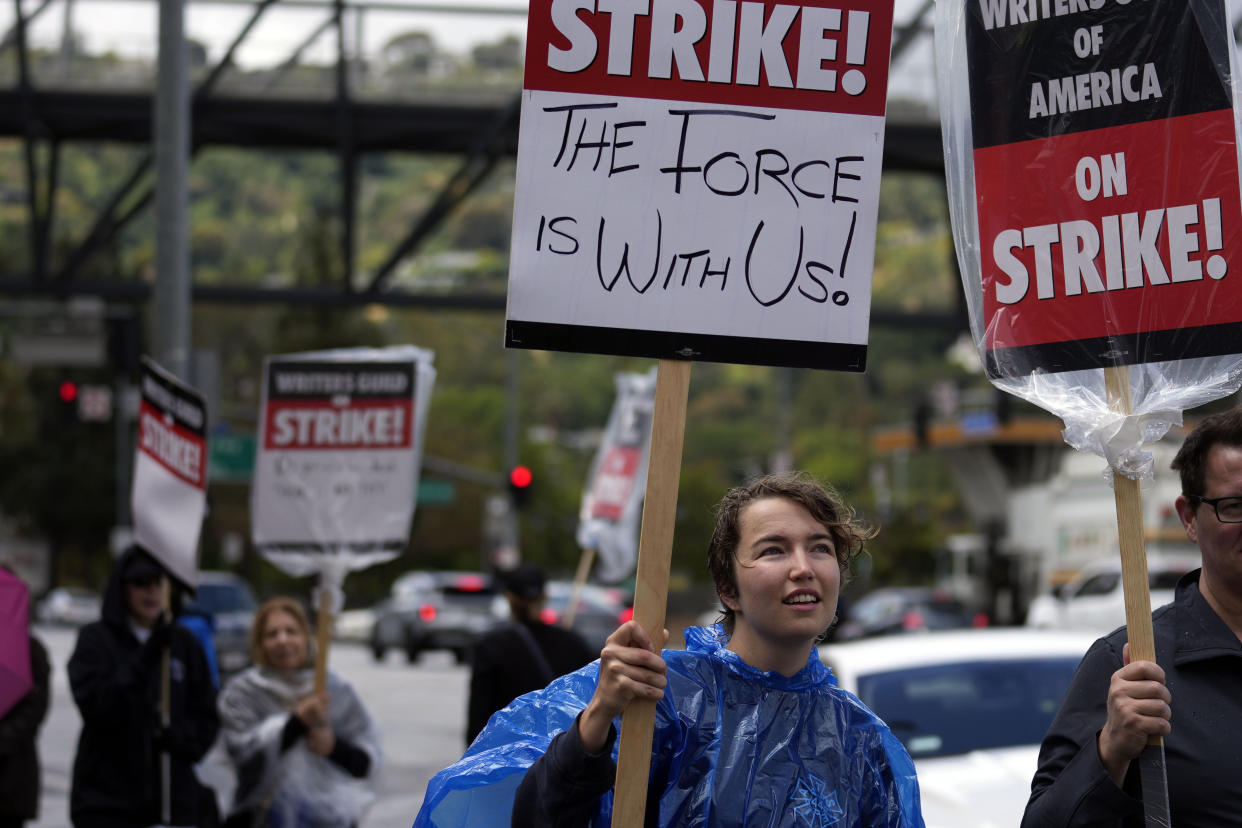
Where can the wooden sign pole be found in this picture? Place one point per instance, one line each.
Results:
(655, 548)
(1130, 536)
(1130, 533)
(1137, 593)
(166, 704)
(324, 635)
(584, 569)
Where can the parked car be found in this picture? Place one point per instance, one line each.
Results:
(434, 611)
(971, 707)
(69, 605)
(229, 601)
(889, 610)
(1094, 599)
(413, 582)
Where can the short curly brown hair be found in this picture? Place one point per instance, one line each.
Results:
(290, 607)
(1223, 428)
(820, 499)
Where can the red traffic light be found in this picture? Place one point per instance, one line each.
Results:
(68, 391)
(520, 477)
(520, 480)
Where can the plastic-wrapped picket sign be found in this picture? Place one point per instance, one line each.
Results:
(608, 520)
(336, 474)
(1091, 155)
(340, 448)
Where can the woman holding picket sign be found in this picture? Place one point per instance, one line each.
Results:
(750, 726)
(302, 758)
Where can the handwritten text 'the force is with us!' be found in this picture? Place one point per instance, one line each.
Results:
(772, 258)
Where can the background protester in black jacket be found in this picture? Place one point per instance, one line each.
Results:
(523, 656)
(19, 754)
(115, 674)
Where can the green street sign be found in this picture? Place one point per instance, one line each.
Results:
(432, 491)
(230, 458)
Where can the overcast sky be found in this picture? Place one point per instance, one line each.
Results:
(129, 28)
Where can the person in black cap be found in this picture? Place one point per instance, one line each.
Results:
(115, 675)
(522, 656)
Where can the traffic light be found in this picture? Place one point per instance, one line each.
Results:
(520, 479)
(66, 401)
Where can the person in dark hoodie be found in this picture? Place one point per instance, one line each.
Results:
(115, 675)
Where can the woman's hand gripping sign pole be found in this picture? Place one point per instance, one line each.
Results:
(1092, 165)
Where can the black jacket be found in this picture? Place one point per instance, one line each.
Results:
(19, 730)
(1202, 661)
(563, 787)
(505, 667)
(116, 685)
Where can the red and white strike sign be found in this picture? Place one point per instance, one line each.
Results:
(169, 494)
(339, 453)
(612, 499)
(699, 180)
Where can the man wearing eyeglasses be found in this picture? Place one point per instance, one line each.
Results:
(1191, 695)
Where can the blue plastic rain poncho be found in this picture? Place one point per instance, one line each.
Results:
(732, 746)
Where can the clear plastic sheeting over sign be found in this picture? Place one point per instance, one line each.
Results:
(1091, 154)
(857, 773)
(339, 453)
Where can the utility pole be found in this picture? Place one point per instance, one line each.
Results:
(171, 141)
(172, 158)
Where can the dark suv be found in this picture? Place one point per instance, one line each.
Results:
(435, 611)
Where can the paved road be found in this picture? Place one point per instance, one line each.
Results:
(421, 711)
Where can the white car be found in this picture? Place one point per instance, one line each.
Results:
(69, 605)
(1094, 600)
(354, 625)
(971, 707)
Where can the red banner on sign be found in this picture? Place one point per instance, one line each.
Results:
(1129, 230)
(818, 55)
(614, 482)
(177, 449)
(322, 424)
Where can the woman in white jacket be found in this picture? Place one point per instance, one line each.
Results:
(303, 759)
